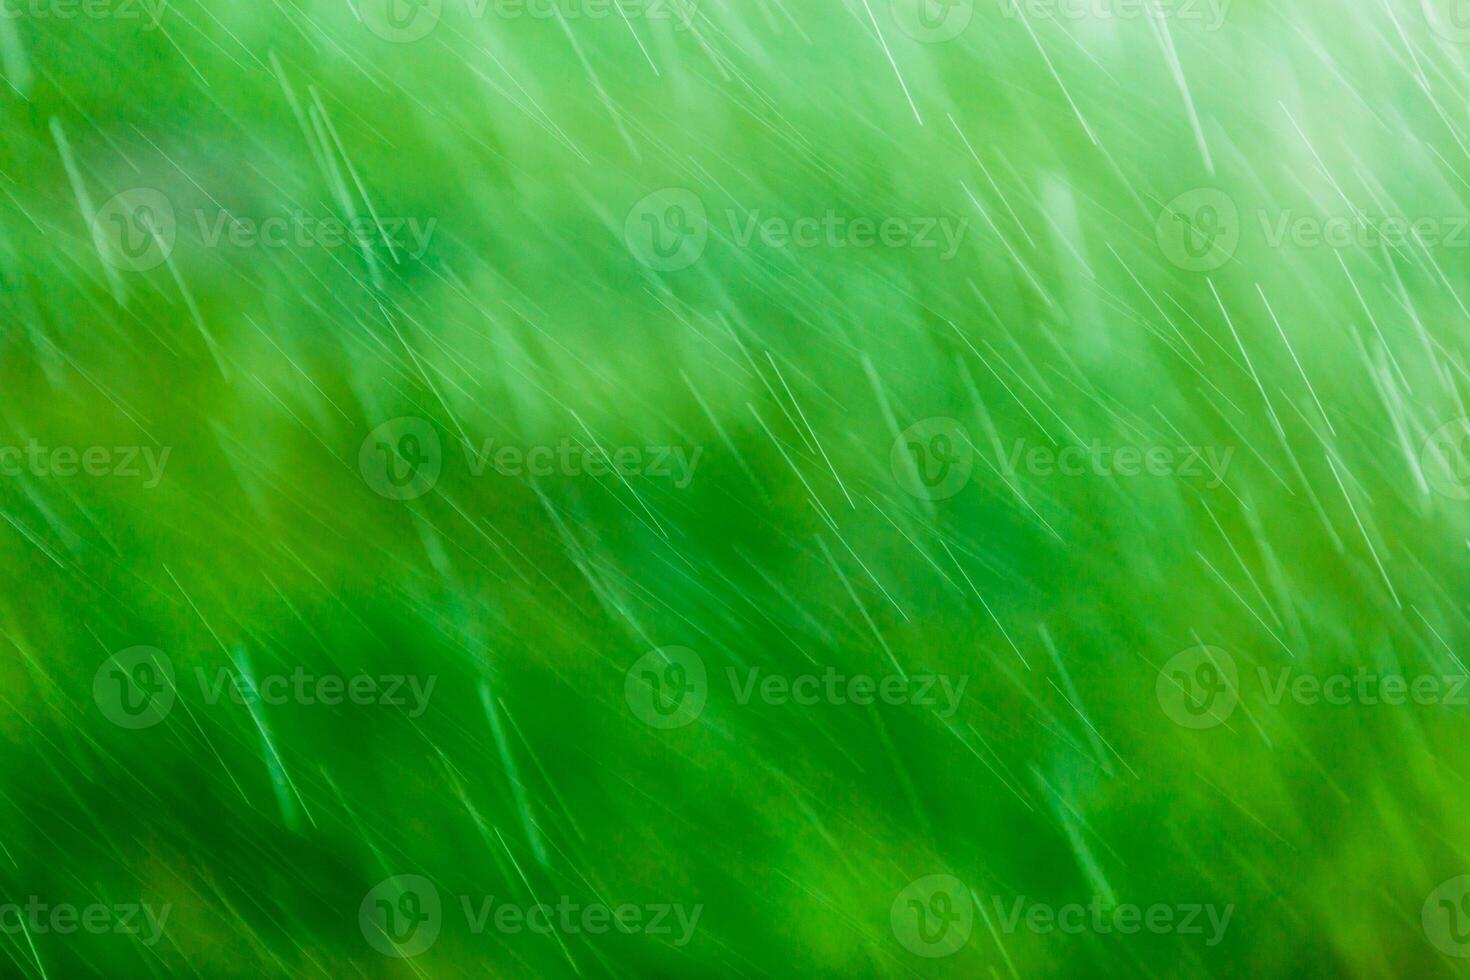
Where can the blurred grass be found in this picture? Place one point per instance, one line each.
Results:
(528, 319)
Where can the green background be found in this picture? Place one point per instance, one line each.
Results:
(529, 320)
